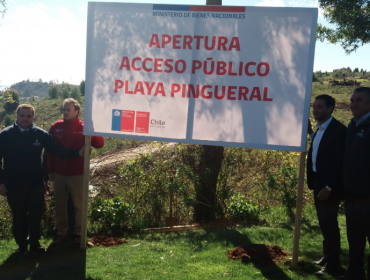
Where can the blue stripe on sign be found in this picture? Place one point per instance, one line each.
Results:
(171, 7)
(116, 120)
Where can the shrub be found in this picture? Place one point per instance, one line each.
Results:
(283, 187)
(111, 215)
(8, 120)
(5, 219)
(12, 101)
(75, 94)
(53, 92)
(64, 93)
(240, 207)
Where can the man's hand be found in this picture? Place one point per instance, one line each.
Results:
(52, 177)
(3, 190)
(309, 127)
(323, 194)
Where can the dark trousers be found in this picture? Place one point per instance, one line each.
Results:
(327, 214)
(358, 228)
(27, 208)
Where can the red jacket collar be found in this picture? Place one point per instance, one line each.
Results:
(73, 122)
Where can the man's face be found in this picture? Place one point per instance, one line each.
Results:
(69, 112)
(25, 118)
(360, 105)
(320, 111)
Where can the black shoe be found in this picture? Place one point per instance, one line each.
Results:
(37, 248)
(327, 270)
(22, 249)
(322, 261)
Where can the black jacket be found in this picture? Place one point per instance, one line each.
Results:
(21, 155)
(329, 161)
(357, 159)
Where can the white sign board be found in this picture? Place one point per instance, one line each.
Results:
(216, 75)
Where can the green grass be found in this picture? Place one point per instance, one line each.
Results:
(199, 254)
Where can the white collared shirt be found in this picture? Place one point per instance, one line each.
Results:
(21, 129)
(317, 140)
(362, 119)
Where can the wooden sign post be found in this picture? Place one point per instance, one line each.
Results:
(85, 194)
(298, 214)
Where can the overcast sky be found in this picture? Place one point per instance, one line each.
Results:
(46, 39)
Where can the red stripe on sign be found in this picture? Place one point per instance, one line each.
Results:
(228, 9)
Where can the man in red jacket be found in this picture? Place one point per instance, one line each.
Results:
(67, 174)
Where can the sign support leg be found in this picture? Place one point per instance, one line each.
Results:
(298, 214)
(85, 191)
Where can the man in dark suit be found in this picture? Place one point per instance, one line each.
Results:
(357, 183)
(324, 177)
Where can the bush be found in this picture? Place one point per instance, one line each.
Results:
(240, 207)
(64, 93)
(283, 187)
(75, 94)
(8, 120)
(5, 219)
(12, 101)
(53, 91)
(314, 78)
(111, 215)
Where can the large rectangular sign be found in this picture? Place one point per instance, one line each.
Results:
(217, 75)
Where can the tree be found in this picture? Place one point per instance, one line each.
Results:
(82, 88)
(64, 93)
(12, 102)
(75, 93)
(314, 77)
(53, 92)
(212, 157)
(8, 120)
(356, 70)
(2, 2)
(317, 75)
(352, 20)
(342, 73)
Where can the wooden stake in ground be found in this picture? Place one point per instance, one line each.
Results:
(85, 194)
(298, 214)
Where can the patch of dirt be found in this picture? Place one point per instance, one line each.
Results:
(124, 155)
(107, 241)
(261, 255)
(342, 106)
(104, 169)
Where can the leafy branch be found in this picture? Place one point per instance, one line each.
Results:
(352, 20)
(3, 3)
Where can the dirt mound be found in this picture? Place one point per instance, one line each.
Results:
(342, 106)
(106, 241)
(261, 255)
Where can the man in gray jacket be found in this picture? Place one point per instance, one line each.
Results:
(357, 182)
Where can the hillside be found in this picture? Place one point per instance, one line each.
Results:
(28, 88)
